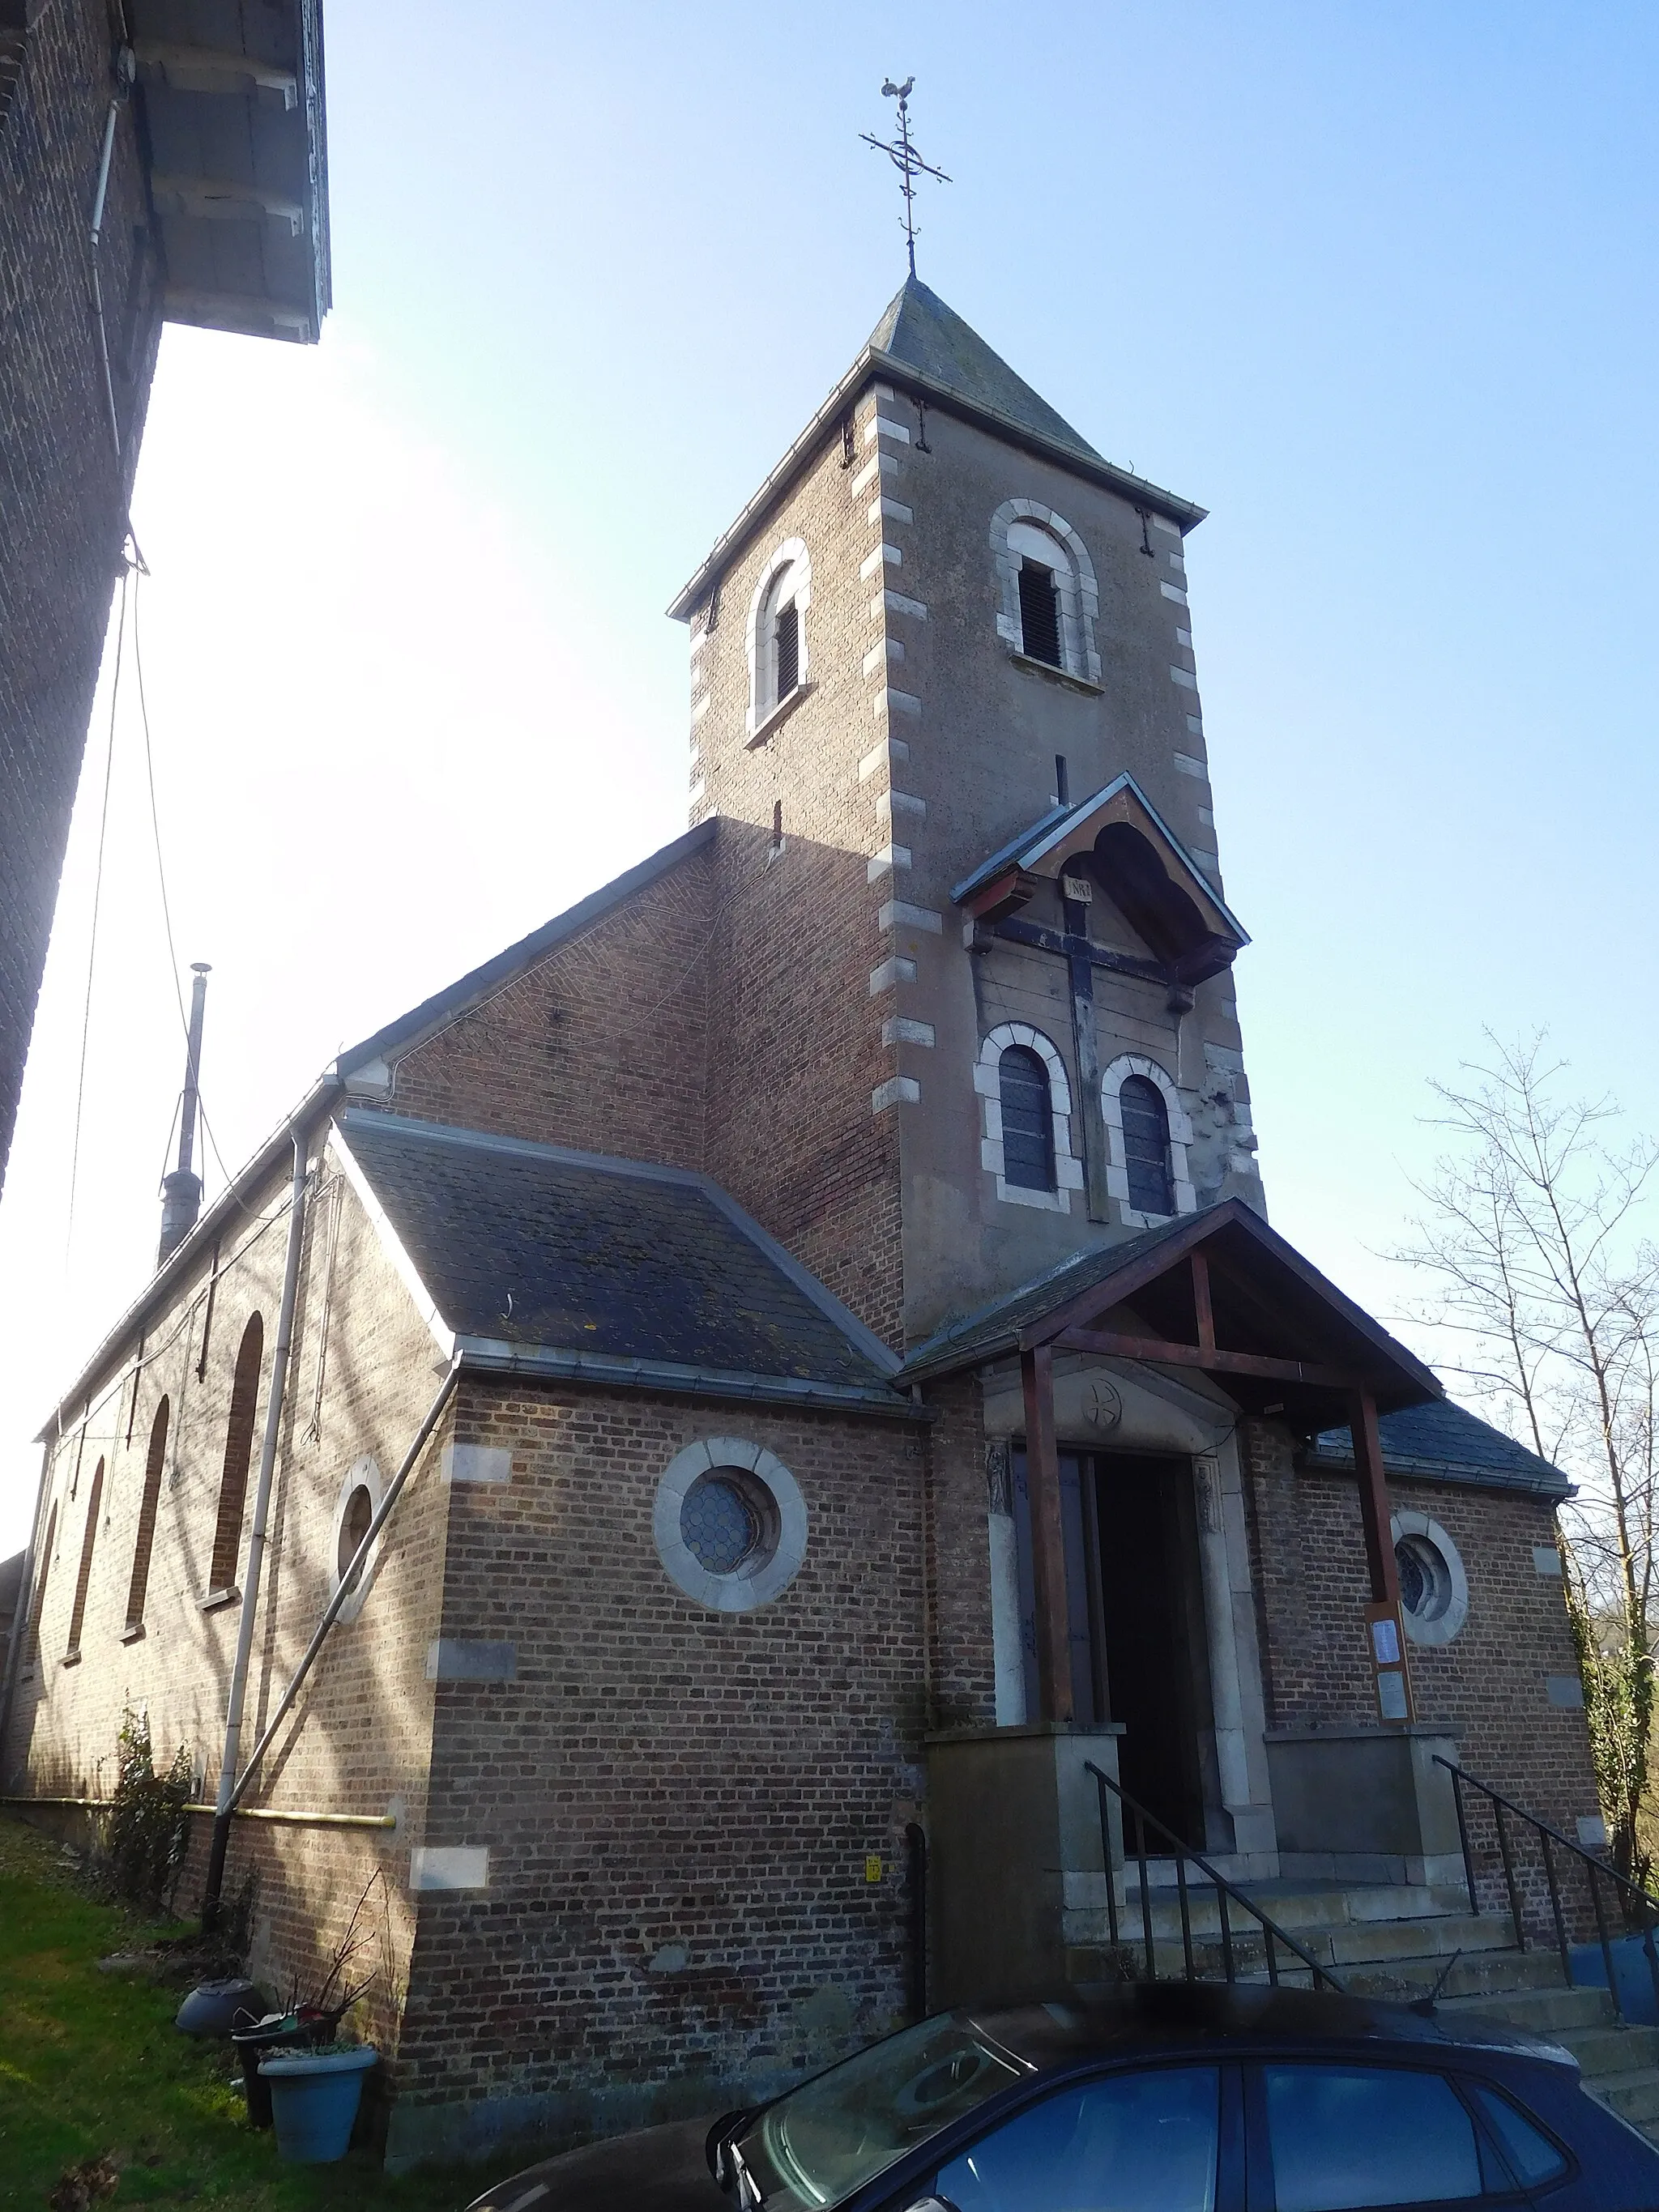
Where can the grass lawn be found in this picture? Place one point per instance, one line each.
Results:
(91, 2064)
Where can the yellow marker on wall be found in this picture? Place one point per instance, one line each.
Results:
(872, 1868)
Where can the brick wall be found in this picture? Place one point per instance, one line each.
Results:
(601, 1045)
(358, 1739)
(1487, 1686)
(963, 1660)
(63, 495)
(678, 1803)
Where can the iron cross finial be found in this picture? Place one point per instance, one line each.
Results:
(905, 158)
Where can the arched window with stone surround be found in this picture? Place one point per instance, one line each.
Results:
(1147, 1146)
(1028, 1132)
(777, 632)
(239, 1453)
(1026, 1098)
(1046, 583)
(1147, 1134)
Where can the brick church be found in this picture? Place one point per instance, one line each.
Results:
(733, 1403)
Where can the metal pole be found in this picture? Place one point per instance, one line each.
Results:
(214, 1886)
(348, 1583)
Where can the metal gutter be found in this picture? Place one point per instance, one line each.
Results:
(549, 1363)
(870, 364)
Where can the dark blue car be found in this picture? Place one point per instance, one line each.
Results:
(1163, 2097)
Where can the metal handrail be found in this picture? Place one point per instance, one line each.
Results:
(1223, 1889)
(1547, 1836)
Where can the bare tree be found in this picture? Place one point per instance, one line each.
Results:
(1532, 1238)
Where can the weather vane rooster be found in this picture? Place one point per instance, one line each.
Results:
(905, 158)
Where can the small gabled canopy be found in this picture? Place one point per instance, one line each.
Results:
(1216, 1292)
(1120, 840)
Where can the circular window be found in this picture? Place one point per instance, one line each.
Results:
(354, 1527)
(359, 1501)
(729, 1524)
(723, 1521)
(1434, 1591)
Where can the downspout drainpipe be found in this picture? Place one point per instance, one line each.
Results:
(348, 1583)
(256, 1551)
(20, 1624)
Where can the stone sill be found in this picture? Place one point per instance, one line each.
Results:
(70, 1659)
(1057, 675)
(779, 716)
(133, 1632)
(216, 1600)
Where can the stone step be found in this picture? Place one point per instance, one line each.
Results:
(1634, 2096)
(1555, 2012)
(1386, 1945)
(1475, 1974)
(1332, 1941)
(1612, 2051)
(1294, 1906)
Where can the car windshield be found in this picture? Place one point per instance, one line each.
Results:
(821, 2142)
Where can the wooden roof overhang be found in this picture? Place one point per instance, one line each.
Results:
(1228, 1297)
(1118, 839)
(1223, 1295)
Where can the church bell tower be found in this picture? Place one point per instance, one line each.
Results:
(975, 985)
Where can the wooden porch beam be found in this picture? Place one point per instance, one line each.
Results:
(1053, 1628)
(1374, 1510)
(1201, 1312)
(1106, 1344)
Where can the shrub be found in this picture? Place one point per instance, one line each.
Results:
(148, 1830)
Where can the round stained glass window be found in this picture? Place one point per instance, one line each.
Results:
(1425, 1581)
(718, 1524)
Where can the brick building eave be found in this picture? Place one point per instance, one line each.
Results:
(484, 1356)
(182, 1262)
(871, 365)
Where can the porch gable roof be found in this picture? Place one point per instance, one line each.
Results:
(1283, 1334)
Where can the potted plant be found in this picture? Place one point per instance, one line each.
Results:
(300, 2078)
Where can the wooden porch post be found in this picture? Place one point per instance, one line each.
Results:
(1054, 1635)
(1384, 1627)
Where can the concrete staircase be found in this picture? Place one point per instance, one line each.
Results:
(1395, 1940)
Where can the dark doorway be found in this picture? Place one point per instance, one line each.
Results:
(1137, 1622)
(1150, 1628)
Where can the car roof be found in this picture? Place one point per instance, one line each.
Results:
(1119, 2020)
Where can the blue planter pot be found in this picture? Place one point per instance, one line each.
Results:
(1631, 1972)
(315, 2096)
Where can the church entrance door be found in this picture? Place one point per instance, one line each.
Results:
(1135, 1604)
(1149, 1632)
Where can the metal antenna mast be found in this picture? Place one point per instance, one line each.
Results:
(906, 160)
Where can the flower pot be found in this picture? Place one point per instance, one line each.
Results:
(315, 2096)
(277, 2031)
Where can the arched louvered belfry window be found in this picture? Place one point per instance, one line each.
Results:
(1146, 1145)
(239, 1452)
(155, 1460)
(1027, 1120)
(88, 1541)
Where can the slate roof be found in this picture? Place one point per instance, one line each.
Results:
(921, 333)
(1446, 1442)
(536, 1255)
(927, 348)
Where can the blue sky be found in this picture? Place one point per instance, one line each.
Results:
(1374, 284)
